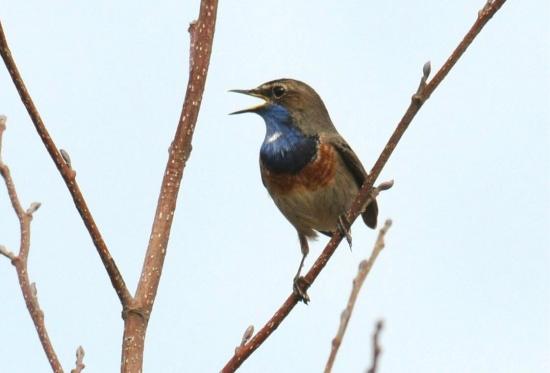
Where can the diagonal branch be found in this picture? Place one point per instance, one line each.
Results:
(136, 319)
(364, 269)
(19, 261)
(66, 172)
(418, 99)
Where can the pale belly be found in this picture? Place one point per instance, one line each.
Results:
(317, 209)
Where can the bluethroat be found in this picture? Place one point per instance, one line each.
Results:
(309, 170)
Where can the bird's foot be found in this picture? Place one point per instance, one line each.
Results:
(299, 287)
(344, 228)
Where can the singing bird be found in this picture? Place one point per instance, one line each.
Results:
(309, 170)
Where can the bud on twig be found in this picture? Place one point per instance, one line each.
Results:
(34, 206)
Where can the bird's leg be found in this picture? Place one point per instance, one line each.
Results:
(343, 226)
(299, 282)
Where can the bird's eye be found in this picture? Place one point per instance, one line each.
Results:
(278, 91)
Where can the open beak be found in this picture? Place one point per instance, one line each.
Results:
(249, 92)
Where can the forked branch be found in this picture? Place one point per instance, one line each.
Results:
(136, 310)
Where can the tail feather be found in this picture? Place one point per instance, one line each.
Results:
(370, 215)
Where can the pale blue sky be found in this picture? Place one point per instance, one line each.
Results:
(463, 284)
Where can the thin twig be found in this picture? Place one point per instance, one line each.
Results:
(364, 269)
(66, 172)
(20, 260)
(376, 349)
(201, 34)
(416, 103)
(79, 364)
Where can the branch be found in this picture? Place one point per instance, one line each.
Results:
(418, 99)
(136, 319)
(364, 269)
(19, 261)
(66, 172)
(201, 34)
(376, 349)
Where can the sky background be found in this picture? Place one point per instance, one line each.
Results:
(463, 284)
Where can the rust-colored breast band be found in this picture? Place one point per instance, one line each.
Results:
(316, 174)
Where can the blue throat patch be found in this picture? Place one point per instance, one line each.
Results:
(285, 148)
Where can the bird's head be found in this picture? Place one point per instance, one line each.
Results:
(289, 100)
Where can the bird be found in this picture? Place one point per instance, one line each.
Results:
(307, 167)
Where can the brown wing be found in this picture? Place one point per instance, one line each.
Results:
(370, 215)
